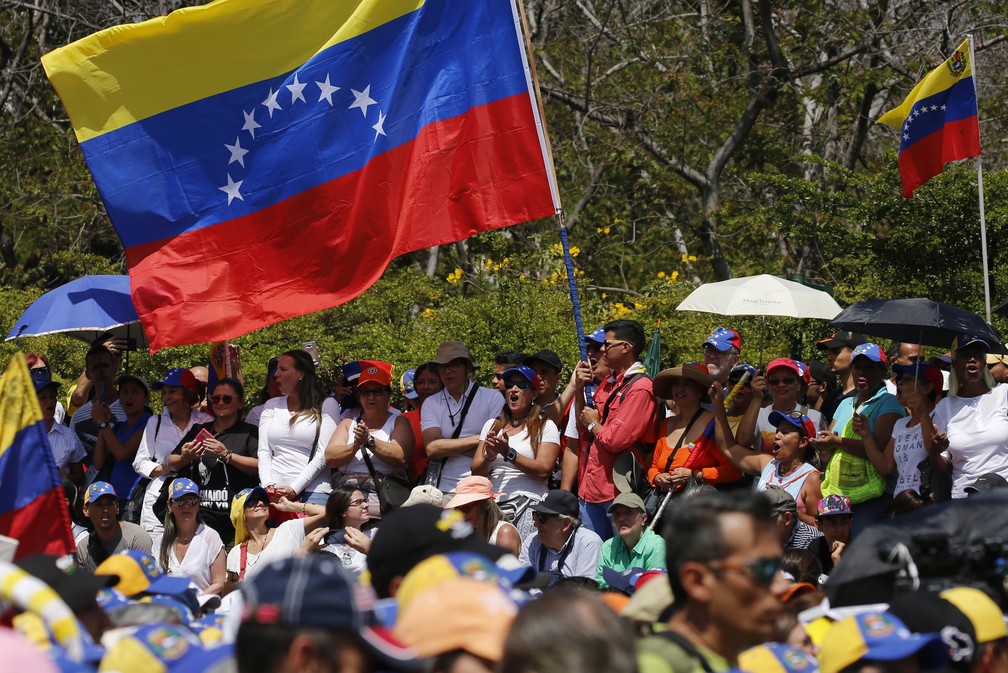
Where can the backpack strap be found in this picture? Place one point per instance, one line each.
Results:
(244, 560)
(687, 647)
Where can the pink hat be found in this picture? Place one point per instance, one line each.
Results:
(784, 363)
(471, 489)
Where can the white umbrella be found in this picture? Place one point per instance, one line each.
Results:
(761, 295)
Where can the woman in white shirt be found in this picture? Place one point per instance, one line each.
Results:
(294, 430)
(162, 434)
(188, 548)
(519, 449)
(347, 512)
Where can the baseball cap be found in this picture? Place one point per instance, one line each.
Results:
(871, 351)
(598, 336)
(376, 371)
(840, 339)
(877, 636)
(471, 615)
(138, 573)
(238, 510)
(780, 501)
(927, 612)
(135, 379)
(803, 370)
(409, 535)
(985, 615)
(525, 372)
(182, 486)
(406, 382)
(164, 648)
(176, 376)
(627, 581)
(832, 505)
(919, 370)
(271, 367)
(784, 363)
(964, 340)
(452, 565)
(98, 489)
(723, 338)
(42, 379)
(797, 419)
(776, 658)
(547, 356)
(77, 587)
(986, 482)
(351, 370)
(558, 501)
(425, 494)
(628, 499)
(315, 591)
(739, 370)
(820, 371)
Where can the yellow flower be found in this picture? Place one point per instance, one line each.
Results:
(617, 220)
(428, 313)
(575, 251)
(556, 250)
(603, 230)
(691, 258)
(661, 274)
(675, 276)
(620, 310)
(488, 265)
(455, 276)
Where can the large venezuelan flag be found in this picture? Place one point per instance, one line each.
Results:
(262, 159)
(32, 507)
(938, 121)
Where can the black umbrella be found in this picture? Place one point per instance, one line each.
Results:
(919, 321)
(957, 542)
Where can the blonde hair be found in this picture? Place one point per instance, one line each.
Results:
(953, 382)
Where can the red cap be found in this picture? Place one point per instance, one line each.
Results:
(375, 371)
(786, 363)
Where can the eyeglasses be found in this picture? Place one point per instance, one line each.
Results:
(521, 384)
(187, 503)
(610, 343)
(222, 399)
(360, 502)
(371, 392)
(762, 570)
(782, 382)
(457, 362)
(543, 517)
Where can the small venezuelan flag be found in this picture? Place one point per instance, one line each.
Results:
(937, 121)
(263, 159)
(32, 507)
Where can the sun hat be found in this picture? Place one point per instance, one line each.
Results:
(691, 371)
(453, 350)
(425, 494)
(471, 489)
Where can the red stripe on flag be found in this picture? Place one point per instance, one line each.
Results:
(926, 158)
(41, 527)
(479, 171)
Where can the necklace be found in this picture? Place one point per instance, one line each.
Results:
(447, 399)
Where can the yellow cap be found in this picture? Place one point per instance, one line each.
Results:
(986, 617)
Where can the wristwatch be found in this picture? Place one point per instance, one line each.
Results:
(369, 443)
(510, 455)
(103, 425)
(591, 428)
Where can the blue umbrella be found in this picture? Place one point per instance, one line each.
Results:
(84, 309)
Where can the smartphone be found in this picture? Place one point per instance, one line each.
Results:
(204, 434)
(335, 537)
(311, 348)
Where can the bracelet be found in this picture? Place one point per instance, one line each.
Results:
(304, 508)
(227, 456)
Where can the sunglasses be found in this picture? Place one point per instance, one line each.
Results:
(610, 343)
(371, 392)
(542, 517)
(521, 384)
(255, 503)
(782, 382)
(187, 503)
(222, 399)
(762, 570)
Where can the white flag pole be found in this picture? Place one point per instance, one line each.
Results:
(980, 189)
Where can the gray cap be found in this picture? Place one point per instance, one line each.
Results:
(780, 501)
(631, 500)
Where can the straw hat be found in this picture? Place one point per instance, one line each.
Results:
(691, 371)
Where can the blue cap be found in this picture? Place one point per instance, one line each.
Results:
(97, 490)
(178, 377)
(598, 336)
(170, 648)
(351, 370)
(964, 340)
(110, 599)
(776, 658)
(871, 351)
(271, 367)
(182, 486)
(741, 368)
(723, 338)
(138, 573)
(408, 386)
(42, 379)
(521, 370)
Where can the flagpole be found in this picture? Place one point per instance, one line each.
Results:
(980, 187)
(521, 25)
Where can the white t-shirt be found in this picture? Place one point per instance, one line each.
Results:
(284, 448)
(443, 412)
(766, 432)
(200, 555)
(357, 464)
(66, 446)
(505, 477)
(287, 537)
(908, 451)
(977, 430)
(352, 559)
(156, 445)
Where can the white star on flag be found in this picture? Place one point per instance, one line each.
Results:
(271, 102)
(296, 90)
(237, 153)
(231, 189)
(250, 123)
(362, 99)
(327, 91)
(379, 128)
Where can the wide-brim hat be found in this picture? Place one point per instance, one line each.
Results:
(471, 489)
(453, 350)
(693, 371)
(628, 473)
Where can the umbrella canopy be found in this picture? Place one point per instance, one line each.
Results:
(763, 295)
(920, 321)
(85, 309)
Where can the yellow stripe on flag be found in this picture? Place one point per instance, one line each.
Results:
(939, 79)
(19, 406)
(128, 73)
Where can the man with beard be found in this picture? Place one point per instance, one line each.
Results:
(722, 351)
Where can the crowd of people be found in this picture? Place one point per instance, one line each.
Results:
(608, 520)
